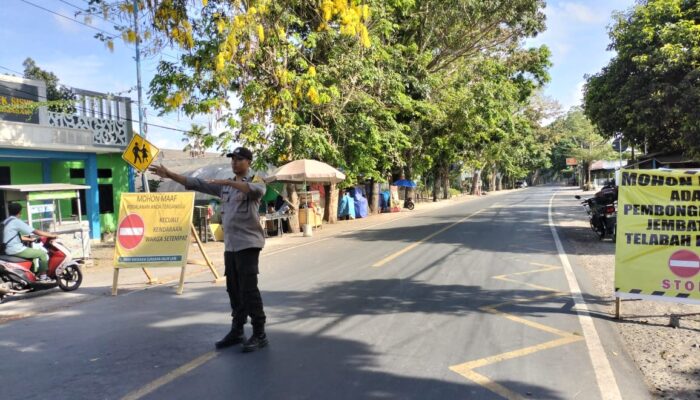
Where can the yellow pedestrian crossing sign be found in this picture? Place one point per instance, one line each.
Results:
(140, 153)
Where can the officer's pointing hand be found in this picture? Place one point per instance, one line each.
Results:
(159, 170)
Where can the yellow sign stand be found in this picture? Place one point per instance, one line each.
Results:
(154, 231)
(140, 153)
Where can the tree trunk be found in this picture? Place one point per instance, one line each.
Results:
(294, 199)
(374, 199)
(535, 177)
(408, 174)
(590, 184)
(499, 182)
(436, 181)
(446, 183)
(331, 212)
(476, 183)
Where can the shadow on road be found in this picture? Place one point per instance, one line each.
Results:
(115, 347)
(342, 300)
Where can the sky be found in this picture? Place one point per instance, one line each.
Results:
(576, 34)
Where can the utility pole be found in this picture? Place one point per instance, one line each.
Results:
(620, 149)
(142, 131)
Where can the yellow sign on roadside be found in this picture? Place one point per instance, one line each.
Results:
(140, 153)
(153, 229)
(657, 255)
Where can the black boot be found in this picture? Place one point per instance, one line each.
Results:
(256, 342)
(234, 337)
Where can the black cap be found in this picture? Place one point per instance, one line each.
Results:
(241, 152)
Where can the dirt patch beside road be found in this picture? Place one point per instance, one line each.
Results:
(668, 357)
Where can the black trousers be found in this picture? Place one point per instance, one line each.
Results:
(242, 287)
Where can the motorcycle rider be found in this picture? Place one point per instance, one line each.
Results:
(12, 236)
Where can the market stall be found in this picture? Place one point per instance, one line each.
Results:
(307, 171)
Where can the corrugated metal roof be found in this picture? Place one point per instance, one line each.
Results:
(42, 187)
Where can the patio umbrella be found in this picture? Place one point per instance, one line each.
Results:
(405, 183)
(305, 171)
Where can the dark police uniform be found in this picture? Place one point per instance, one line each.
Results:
(244, 239)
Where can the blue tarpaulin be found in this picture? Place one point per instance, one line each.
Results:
(346, 207)
(361, 203)
(405, 183)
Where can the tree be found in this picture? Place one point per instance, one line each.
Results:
(61, 97)
(650, 91)
(586, 145)
(198, 140)
(366, 86)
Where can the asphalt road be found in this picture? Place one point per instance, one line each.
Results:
(467, 301)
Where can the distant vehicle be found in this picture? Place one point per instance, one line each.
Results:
(602, 211)
(520, 184)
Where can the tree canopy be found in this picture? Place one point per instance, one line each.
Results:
(416, 87)
(650, 91)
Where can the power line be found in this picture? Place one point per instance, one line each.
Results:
(88, 13)
(112, 21)
(112, 34)
(119, 93)
(11, 70)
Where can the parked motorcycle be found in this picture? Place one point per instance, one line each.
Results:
(408, 203)
(16, 274)
(602, 211)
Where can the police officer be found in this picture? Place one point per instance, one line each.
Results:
(244, 239)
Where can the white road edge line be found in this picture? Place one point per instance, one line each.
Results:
(603, 372)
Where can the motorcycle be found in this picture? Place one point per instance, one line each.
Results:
(16, 276)
(408, 203)
(602, 211)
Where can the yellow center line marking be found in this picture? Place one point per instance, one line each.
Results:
(171, 376)
(416, 244)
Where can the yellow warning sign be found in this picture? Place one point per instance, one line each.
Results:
(140, 153)
(657, 255)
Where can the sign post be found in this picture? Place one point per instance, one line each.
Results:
(657, 255)
(154, 231)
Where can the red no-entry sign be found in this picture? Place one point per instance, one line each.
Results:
(130, 232)
(684, 263)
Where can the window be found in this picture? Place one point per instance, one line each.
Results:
(106, 198)
(83, 205)
(77, 173)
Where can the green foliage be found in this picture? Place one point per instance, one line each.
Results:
(650, 91)
(578, 138)
(372, 87)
